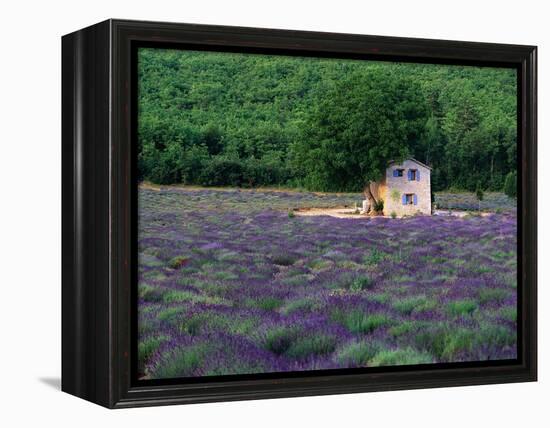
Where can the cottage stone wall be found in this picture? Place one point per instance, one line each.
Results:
(393, 189)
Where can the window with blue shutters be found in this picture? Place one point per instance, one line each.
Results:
(413, 175)
(409, 199)
(398, 173)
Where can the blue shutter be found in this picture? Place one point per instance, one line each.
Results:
(395, 173)
(415, 199)
(417, 175)
(409, 174)
(404, 199)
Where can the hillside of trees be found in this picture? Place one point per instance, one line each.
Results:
(324, 124)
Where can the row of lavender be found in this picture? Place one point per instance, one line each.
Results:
(229, 283)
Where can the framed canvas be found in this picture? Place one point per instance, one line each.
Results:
(253, 213)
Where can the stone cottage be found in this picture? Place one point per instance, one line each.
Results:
(406, 188)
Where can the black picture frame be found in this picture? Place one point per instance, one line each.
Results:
(99, 205)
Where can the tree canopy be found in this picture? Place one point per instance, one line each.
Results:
(326, 124)
(357, 126)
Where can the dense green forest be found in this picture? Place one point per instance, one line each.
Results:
(324, 124)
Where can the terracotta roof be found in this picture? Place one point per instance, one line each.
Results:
(415, 161)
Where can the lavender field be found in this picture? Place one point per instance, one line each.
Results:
(232, 282)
